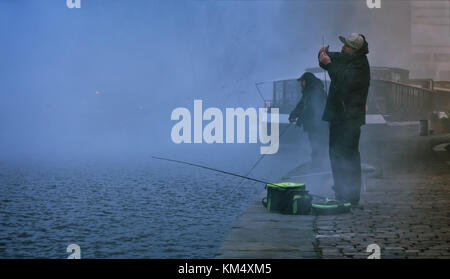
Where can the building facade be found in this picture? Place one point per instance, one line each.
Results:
(430, 39)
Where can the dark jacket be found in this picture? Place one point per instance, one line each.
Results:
(311, 105)
(350, 80)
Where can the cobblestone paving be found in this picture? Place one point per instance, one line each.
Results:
(406, 212)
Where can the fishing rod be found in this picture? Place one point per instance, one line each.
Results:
(259, 92)
(263, 155)
(259, 160)
(234, 174)
(212, 169)
(324, 72)
(281, 135)
(225, 172)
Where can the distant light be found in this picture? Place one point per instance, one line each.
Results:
(97, 92)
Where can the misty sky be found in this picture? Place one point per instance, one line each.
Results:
(105, 78)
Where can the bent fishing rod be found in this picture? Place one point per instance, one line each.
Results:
(324, 71)
(225, 172)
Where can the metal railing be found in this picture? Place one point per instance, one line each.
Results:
(404, 101)
(401, 101)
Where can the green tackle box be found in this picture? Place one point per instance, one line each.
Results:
(288, 198)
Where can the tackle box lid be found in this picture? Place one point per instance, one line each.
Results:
(287, 186)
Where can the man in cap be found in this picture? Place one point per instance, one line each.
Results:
(308, 113)
(346, 110)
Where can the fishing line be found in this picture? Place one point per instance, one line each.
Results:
(259, 160)
(225, 172)
(251, 169)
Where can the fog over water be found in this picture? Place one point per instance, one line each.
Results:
(145, 58)
(85, 89)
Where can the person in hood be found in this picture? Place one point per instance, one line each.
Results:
(308, 113)
(345, 110)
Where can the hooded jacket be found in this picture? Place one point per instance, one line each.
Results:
(349, 87)
(311, 105)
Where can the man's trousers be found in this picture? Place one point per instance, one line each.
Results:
(345, 159)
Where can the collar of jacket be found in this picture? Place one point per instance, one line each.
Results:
(349, 58)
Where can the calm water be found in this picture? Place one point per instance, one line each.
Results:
(154, 209)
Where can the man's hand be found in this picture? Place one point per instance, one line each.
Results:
(324, 58)
(323, 49)
(292, 118)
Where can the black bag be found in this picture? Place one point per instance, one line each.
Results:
(288, 198)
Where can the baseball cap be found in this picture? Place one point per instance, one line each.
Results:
(354, 41)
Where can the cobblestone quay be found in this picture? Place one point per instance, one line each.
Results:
(405, 211)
